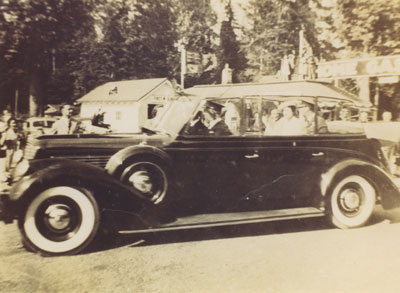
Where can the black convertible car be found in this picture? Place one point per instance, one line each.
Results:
(239, 157)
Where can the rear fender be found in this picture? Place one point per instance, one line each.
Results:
(387, 192)
(116, 163)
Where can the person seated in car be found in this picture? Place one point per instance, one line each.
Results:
(289, 124)
(98, 120)
(270, 121)
(344, 114)
(232, 117)
(197, 126)
(209, 121)
(363, 117)
(213, 120)
(308, 117)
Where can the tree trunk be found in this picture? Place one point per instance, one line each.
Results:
(35, 96)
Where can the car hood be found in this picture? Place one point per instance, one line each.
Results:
(100, 141)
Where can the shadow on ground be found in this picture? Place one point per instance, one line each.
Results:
(248, 230)
(204, 234)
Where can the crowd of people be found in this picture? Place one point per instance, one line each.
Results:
(14, 135)
(293, 118)
(289, 118)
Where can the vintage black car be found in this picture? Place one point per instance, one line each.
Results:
(245, 155)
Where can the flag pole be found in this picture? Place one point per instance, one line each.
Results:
(301, 42)
(183, 65)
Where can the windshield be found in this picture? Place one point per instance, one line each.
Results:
(174, 115)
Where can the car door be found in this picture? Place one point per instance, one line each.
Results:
(207, 165)
(281, 171)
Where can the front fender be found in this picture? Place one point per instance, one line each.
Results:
(387, 191)
(117, 160)
(110, 193)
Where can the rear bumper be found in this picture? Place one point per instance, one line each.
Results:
(5, 214)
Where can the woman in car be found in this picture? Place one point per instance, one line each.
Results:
(289, 124)
(270, 121)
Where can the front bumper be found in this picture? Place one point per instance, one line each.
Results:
(5, 213)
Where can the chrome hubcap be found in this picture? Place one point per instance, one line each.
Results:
(149, 179)
(350, 200)
(58, 216)
(141, 181)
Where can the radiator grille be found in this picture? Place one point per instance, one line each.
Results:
(30, 150)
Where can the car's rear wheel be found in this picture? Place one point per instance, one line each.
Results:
(60, 220)
(352, 202)
(149, 177)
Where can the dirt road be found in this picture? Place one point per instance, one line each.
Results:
(301, 256)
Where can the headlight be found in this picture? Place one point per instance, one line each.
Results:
(20, 170)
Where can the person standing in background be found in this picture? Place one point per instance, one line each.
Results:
(11, 140)
(3, 128)
(65, 125)
(285, 68)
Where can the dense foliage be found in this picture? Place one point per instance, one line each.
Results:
(40, 36)
(53, 51)
(274, 31)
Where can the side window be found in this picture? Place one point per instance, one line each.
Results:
(252, 123)
(342, 118)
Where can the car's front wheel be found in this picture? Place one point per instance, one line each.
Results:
(352, 202)
(61, 220)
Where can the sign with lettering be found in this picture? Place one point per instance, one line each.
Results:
(388, 79)
(377, 66)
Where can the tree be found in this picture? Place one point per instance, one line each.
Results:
(152, 38)
(42, 35)
(274, 31)
(106, 56)
(136, 40)
(368, 27)
(194, 24)
(229, 48)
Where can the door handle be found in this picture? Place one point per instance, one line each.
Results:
(253, 156)
(319, 154)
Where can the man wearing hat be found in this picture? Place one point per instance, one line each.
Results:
(209, 121)
(213, 119)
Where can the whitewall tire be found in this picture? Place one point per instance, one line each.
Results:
(352, 202)
(60, 220)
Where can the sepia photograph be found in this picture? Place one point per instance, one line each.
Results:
(199, 146)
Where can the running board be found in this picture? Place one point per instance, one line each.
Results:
(226, 219)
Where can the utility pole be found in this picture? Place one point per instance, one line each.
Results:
(16, 103)
(182, 49)
(53, 61)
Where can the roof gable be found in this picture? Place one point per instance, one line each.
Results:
(124, 91)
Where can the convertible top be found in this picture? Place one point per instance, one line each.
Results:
(300, 88)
